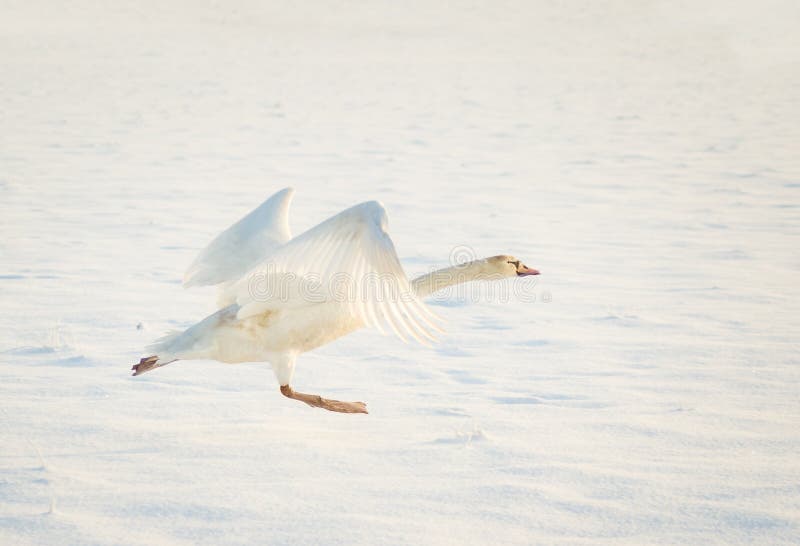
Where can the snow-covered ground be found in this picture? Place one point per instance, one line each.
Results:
(644, 155)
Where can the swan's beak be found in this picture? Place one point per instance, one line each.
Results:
(524, 271)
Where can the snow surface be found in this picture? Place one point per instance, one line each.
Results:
(643, 155)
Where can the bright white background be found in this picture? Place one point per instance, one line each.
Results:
(643, 155)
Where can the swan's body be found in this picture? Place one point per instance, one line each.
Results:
(281, 296)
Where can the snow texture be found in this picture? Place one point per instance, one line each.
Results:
(642, 155)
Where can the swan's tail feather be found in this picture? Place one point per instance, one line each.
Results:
(148, 363)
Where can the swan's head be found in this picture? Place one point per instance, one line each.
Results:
(509, 266)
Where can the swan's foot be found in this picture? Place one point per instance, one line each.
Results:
(316, 401)
(149, 363)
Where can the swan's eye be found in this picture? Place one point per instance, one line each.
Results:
(515, 264)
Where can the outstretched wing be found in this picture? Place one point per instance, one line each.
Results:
(244, 245)
(348, 258)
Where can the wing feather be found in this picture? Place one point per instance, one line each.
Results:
(352, 247)
(244, 245)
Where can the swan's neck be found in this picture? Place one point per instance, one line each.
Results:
(425, 285)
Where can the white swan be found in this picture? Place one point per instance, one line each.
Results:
(281, 296)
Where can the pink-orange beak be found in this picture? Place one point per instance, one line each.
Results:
(524, 271)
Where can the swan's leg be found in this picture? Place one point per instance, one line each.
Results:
(316, 401)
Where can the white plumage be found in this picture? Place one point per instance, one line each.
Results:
(243, 246)
(281, 296)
